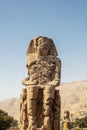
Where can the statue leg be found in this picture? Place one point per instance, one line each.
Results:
(23, 110)
(32, 94)
(48, 93)
(57, 110)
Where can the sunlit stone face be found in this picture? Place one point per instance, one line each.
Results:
(42, 47)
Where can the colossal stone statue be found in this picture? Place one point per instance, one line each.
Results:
(40, 100)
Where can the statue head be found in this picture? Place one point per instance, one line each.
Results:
(66, 114)
(42, 46)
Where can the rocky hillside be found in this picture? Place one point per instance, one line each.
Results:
(73, 98)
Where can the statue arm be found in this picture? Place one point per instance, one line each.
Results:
(25, 81)
(57, 76)
(58, 70)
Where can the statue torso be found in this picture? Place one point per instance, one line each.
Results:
(42, 71)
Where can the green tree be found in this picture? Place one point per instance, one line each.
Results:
(81, 123)
(77, 122)
(84, 122)
(5, 120)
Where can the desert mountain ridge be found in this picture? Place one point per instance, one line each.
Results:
(73, 98)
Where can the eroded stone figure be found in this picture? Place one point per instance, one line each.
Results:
(44, 74)
(66, 125)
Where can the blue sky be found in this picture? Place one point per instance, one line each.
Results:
(64, 21)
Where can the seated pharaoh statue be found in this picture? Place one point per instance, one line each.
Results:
(42, 102)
